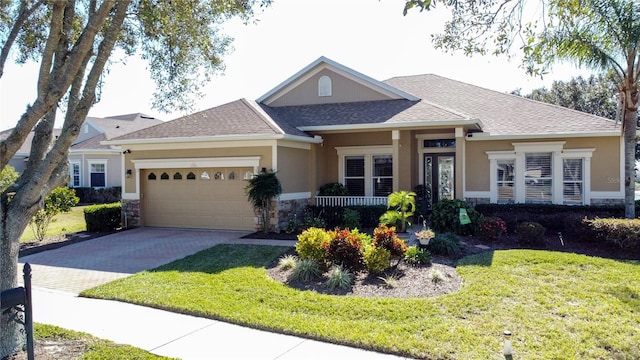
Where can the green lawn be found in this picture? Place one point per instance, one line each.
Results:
(95, 349)
(557, 305)
(66, 223)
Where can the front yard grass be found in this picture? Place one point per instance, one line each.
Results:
(65, 223)
(557, 305)
(78, 345)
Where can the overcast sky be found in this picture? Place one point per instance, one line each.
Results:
(369, 36)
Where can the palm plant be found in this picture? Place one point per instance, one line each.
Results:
(402, 205)
(602, 35)
(261, 191)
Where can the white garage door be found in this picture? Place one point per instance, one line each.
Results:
(201, 198)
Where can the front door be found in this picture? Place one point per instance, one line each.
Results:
(439, 178)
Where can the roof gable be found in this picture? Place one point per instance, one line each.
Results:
(347, 85)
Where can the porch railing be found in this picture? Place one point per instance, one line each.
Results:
(350, 200)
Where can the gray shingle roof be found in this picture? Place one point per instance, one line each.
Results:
(501, 113)
(113, 127)
(239, 117)
(25, 149)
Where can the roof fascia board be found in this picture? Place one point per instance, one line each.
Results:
(467, 122)
(489, 137)
(316, 66)
(93, 151)
(239, 139)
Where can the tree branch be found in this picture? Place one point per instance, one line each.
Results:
(23, 14)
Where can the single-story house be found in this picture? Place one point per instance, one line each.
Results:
(91, 164)
(329, 123)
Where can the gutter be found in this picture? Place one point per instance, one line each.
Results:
(482, 136)
(471, 123)
(218, 138)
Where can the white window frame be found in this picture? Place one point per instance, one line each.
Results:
(71, 173)
(325, 86)
(558, 153)
(98, 162)
(368, 152)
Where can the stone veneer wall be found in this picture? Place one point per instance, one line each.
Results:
(290, 209)
(607, 202)
(130, 213)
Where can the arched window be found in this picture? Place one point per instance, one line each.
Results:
(151, 176)
(164, 176)
(232, 175)
(324, 86)
(218, 176)
(191, 176)
(205, 176)
(248, 175)
(177, 176)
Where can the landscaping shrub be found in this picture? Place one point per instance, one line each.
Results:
(59, 201)
(287, 262)
(376, 258)
(350, 219)
(104, 217)
(305, 270)
(491, 228)
(333, 189)
(312, 244)
(417, 256)
(339, 277)
(386, 237)
(446, 217)
(345, 249)
(89, 195)
(624, 233)
(446, 244)
(334, 215)
(531, 233)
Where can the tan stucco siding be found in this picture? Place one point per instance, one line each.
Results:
(294, 169)
(264, 152)
(343, 90)
(605, 160)
(406, 162)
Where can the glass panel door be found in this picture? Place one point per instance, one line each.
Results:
(439, 178)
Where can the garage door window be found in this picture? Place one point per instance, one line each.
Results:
(151, 176)
(205, 176)
(232, 175)
(177, 176)
(191, 176)
(219, 175)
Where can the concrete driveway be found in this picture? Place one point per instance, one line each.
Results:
(77, 267)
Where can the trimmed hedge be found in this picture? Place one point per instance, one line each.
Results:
(105, 217)
(334, 215)
(90, 195)
(624, 233)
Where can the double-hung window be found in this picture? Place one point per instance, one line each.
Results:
(538, 179)
(505, 180)
(572, 181)
(74, 174)
(98, 174)
(366, 171)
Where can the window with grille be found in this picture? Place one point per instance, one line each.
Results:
(572, 181)
(506, 181)
(538, 178)
(382, 175)
(75, 174)
(354, 175)
(98, 175)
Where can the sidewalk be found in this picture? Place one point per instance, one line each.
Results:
(60, 274)
(181, 336)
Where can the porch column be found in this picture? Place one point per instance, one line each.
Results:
(459, 171)
(395, 140)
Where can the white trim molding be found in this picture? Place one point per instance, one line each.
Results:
(183, 163)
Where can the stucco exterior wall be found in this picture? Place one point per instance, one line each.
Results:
(113, 176)
(294, 169)
(343, 90)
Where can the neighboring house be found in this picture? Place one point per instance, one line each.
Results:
(329, 123)
(91, 164)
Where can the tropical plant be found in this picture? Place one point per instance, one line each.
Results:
(386, 237)
(262, 189)
(312, 244)
(305, 270)
(339, 277)
(376, 259)
(417, 256)
(401, 205)
(60, 200)
(446, 217)
(351, 219)
(345, 249)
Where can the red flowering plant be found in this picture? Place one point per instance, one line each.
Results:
(386, 237)
(345, 248)
(491, 228)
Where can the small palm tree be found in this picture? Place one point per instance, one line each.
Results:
(402, 205)
(261, 191)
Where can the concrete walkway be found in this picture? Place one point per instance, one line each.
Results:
(58, 275)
